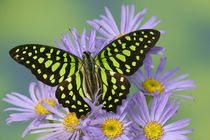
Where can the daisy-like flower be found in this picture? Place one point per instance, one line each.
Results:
(162, 82)
(129, 23)
(111, 126)
(67, 126)
(78, 44)
(152, 121)
(30, 108)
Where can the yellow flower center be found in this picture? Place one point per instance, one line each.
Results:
(112, 128)
(118, 36)
(40, 109)
(153, 131)
(152, 85)
(70, 120)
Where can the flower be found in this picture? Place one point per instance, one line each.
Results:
(31, 109)
(152, 120)
(111, 126)
(108, 28)
(161, 82)
(67, 126)
(78, 44)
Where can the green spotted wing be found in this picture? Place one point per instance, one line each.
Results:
(50, 65)
(126, 54)
(70, 94)
(115, 88)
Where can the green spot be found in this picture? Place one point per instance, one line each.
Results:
(113, 79)
(141, 51)
(72, 71)
(104, 102)
(36, 51)
(153, 37)
(128, 70)
(85, 105)
(145, 36)
(35, 57)
(55, 66)
(122, 87)
(81, 93)
(74, 98)
(109, 53)
(121, 57)
(123, 45)
(81, 110)
(67, 102)
(61, 79)
(142, 32)
(33, 66)
(113, 92)
(48, 55)
(114, 87)
(134, 34)
(119, 71)
(133, 63)
(104, 91)
(72, 58)
(106, 66)
(114, 45)
(110, 106)
(48, 63)
(127, 66)
(27, 62)
(149, 41)
(63, 96)
(51, 50)
(51, 77)
(133, 48)
(70, 86)
(122, 79)
(41, 59)
(58, 52)
(120, 94)
(116, 100)
(65, 55)
(44, 76)
(42, 49)
(126, 52)
(39, 71)
(116, 50)
(22, 58)
(17, 50)
(145, 46)
(128, 38)
(29, 54)
(73, 106)
(53, 81)
(79, 103)
(58, 58)
(115, 63)
(119, 41)
(141, 39)
(26, 47)
(71, 93)
(63, 69)
(110, 98)
(137, 44)
(137, 57)
(24, 52)
(103, 77)
(34, 47)
(151, 33)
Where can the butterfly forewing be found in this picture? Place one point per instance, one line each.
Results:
(50, 65)
(115, 88)
(127, 53)
(70, 94)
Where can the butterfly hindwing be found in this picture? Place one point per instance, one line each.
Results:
(50, 65)
(115, 88)
(126, 54)
(70, 94)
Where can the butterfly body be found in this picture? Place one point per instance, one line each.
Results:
(81, 78)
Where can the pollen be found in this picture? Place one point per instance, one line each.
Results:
(112, 128)
(120, 35)
(70, 121)
(40, 109)
(153, 131)
(152, 85)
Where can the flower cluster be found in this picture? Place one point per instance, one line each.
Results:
(144, 116)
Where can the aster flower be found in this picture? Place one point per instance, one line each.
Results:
(111, 126)
(78, 44)
(30, 108)
(162, 82)
(67, 126)
(129, 22)
(152, 121)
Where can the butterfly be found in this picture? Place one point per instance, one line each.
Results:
(78, 78)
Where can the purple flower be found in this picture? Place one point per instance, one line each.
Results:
(161, 82)
(111, 126)
(152, 120)
(129, 22)
(78, 44)
(31, 109)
